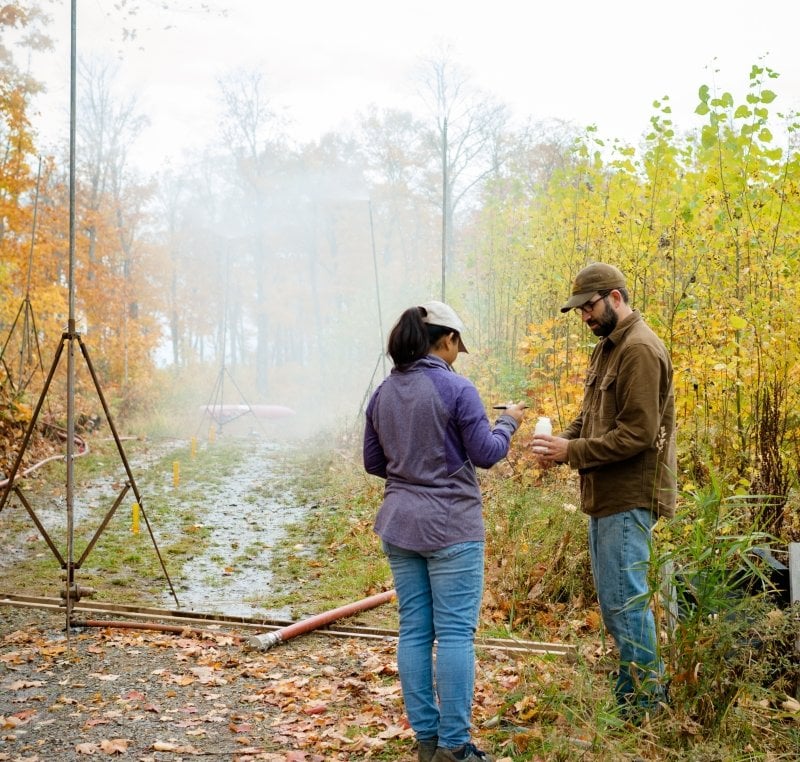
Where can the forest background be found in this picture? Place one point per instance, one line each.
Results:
(278, 268)
(285, 264)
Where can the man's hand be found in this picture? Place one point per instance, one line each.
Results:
(550, 450)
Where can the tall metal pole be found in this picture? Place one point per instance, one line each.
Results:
(71, 320)
(72, 339)
(445, 183)
(377, 286)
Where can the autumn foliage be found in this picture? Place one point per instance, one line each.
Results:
(706, 228)
(289, 262)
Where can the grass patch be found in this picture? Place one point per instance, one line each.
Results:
(539, 586)
(732, 662)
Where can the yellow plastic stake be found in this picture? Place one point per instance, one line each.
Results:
(135, 514)
(212, 433)
(194, 447)
(176, 473)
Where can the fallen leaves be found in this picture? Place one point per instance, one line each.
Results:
(178, 748)
(17, 719)
(105, 746)
(137, 694)
(19, 685)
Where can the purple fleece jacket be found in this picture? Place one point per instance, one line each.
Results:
(426, 430)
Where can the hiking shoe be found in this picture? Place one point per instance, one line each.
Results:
(466, 753)
(426, 749)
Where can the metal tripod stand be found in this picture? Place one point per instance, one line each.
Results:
(71, 339)
(72, 592)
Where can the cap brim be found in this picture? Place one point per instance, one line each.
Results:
(576, 300)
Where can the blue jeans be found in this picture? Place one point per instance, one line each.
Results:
(620, 547)
(439, 596)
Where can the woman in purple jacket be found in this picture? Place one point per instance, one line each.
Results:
(426, 431)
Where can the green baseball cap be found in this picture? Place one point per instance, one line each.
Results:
(592, 279)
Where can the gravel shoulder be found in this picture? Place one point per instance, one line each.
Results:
(145, 695)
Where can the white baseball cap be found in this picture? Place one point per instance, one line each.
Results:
(439, 313)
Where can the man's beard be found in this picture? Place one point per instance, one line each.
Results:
(607, 322)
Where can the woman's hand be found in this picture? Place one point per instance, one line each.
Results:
(515, 410)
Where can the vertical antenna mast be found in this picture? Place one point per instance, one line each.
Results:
(71, 320)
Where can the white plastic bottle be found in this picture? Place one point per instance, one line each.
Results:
(543, 426)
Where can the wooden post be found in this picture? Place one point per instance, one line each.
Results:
(794, 580)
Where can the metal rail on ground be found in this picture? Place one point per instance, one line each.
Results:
(133, 612)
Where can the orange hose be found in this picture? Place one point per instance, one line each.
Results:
(268, 639)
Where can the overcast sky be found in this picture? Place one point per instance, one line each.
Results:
(597, 62)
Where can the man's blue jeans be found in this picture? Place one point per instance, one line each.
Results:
(439, 596)
(620, 547)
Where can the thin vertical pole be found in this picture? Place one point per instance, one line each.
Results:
(33, 229)
(28, 325)
(445, 182)
(794, 581)
(71, 321)
(377, 286)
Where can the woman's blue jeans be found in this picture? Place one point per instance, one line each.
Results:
(439, 596)
(620, 547)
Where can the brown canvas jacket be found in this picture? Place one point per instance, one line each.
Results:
(623, 440)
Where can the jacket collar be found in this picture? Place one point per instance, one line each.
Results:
(429, 361)
(618, 334)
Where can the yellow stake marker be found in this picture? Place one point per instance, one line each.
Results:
(135, 512)
(194, 446)
(212, 433)
(176, 473)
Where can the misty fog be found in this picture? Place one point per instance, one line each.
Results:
(280, 258)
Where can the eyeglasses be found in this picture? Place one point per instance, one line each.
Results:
(587, 308)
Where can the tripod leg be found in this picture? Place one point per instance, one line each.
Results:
(32, 424)
(124, 459)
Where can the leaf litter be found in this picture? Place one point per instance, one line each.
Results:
(151, 696)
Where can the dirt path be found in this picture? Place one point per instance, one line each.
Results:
(238, 492)
(149, 696)
(246, 519)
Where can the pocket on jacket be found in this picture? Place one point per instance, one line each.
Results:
(608, 396)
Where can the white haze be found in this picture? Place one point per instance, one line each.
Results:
(583, 61)
(324, 63)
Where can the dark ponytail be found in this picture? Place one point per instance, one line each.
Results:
(412, 338)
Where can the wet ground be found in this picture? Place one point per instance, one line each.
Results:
(247, 519)
(239, 489)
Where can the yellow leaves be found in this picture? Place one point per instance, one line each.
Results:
(182, 680)
(527, 708)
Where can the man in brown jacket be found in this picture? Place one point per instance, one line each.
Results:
(623, 445)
